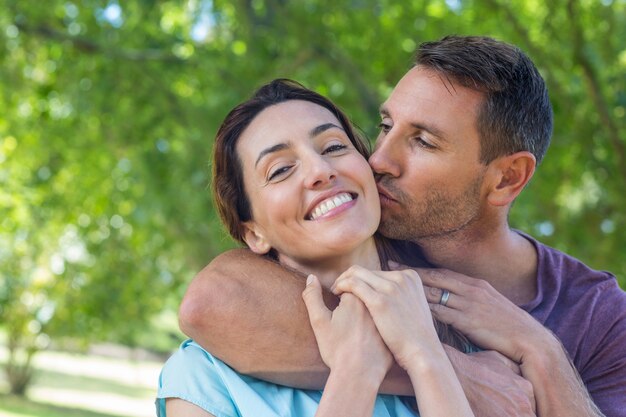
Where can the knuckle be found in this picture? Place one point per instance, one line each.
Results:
(412, 274)
(355, 269)
(434, 292)
(475, 292)
(396, 277)
(345, 283)
(482, 284)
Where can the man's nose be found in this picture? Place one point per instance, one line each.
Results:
(384, 160)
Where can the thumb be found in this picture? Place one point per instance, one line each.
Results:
(312, 295)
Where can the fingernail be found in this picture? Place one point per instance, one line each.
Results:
(309, 279)
(393, 264)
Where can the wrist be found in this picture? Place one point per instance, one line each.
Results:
(417, 355)
(365, 377)
(424, 359)
(540, 353)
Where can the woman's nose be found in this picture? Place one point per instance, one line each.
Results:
(320, 172)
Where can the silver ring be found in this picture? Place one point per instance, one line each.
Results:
(445, 295)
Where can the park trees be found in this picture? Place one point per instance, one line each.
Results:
(108, 110)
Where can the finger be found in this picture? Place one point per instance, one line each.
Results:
(319, 314)
(371, 278)
(434, 294)
(446, 314)
(497, 357)
(362, 290)
(513, 366)
(446, 280)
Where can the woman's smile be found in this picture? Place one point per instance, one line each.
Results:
(331, 206)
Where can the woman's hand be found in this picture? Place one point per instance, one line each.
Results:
(347, 337)
(398, 305)
(485, 316)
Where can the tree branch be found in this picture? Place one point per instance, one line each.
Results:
(89, 46)
(591, 76)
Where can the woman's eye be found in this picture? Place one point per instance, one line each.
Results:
(334, 148)
(278, 172)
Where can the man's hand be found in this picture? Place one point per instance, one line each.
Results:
(493, 322)
(485, 316)
(492, 384)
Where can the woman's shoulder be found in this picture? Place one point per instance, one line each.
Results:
(193, 374)
(190, 358)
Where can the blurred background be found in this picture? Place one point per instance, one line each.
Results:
(108, 110)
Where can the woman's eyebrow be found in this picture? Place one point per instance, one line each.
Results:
(322, 128)
(271, 149)
(317, 130)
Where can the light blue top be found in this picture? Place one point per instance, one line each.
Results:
(194, 375)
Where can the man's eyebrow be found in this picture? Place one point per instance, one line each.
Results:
(322, 128)
(431, 129)
(418, 125)
(271, 149)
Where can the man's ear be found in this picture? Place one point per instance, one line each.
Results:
(509, 175)
(255, 239)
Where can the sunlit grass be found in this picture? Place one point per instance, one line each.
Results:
(11, 406)
(69, 384)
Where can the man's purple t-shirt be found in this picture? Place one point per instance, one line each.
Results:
(586, 310)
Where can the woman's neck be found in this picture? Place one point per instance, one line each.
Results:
(328, 269)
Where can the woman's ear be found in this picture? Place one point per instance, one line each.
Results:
(255, 239)
(509, 175)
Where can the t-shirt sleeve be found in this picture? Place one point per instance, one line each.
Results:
(605, 373)
(191, 375)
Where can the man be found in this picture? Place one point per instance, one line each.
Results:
(461, 135)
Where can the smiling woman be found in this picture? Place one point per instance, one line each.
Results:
(313, 197)
(291, 180)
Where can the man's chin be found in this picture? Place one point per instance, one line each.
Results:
(394, 229)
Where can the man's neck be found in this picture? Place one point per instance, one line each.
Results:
(502, 257)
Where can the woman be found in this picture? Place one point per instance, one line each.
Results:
(291, 180)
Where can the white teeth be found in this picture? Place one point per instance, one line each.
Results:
(329, 204)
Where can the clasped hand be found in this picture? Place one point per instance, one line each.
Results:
(398, 306)
(347, 337)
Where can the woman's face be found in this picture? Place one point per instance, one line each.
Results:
(312, 194)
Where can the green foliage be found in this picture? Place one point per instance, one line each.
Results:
(108, 110)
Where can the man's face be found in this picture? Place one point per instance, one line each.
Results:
(427, 158)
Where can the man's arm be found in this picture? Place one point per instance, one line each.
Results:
(492, 383)
(492, 321)
(249, 312)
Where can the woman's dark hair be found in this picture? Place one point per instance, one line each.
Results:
(230, 197)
